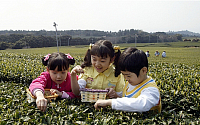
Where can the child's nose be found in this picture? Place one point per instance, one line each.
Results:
(58, 76)
(97, 63)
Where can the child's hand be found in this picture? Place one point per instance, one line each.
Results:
(77, 69)
(111, 93)
(53, 91)
(102, 103)
(41, 103)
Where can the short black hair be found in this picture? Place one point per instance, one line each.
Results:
(132, 60)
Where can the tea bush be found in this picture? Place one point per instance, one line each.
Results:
(178, 84)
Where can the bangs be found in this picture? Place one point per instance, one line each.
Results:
(60, 63)
(101, 51)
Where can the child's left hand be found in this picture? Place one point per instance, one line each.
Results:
(53, 91)
(111, 93)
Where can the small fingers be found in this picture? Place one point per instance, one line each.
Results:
(97, 105)
(77, 69)
(110, 90)
(53, 91)
(42, 104)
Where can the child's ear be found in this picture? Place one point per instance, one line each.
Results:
(112, 60)
(47, 69)
(68, 69)
(144, 70)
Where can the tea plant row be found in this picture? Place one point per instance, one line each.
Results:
(178, 84)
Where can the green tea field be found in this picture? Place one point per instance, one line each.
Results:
(177, 76)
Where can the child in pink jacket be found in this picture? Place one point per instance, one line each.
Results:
(57, 78)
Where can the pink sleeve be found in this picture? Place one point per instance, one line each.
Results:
(39, 83)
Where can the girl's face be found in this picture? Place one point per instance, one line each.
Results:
(58, 76)
(132, 77)
(100, 64)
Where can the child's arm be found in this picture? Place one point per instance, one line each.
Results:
(148, 98)
(74, 81)
(39, 83)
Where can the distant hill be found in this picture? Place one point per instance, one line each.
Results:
(184, 33)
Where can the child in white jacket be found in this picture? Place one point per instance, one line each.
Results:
(140, 93)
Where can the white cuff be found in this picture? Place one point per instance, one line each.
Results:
(82, 83)
(35, 90)
(119, 93)
(64, 95)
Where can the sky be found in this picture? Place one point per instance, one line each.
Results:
(103, 15)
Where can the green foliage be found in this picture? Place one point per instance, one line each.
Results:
(36, 39)
(178, 84)
(178, 79)
(4, 45)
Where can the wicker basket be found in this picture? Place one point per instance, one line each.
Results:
(92, 95)
(47, 95)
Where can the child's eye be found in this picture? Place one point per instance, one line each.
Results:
(93, 59)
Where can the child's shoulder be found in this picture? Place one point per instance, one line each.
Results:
(45, 74)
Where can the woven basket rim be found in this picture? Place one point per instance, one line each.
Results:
(93, 90)
(51, 96)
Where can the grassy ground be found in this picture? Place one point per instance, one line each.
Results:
(177, 52)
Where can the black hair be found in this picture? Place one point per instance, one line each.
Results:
(59, 60)
(133, 60)
(102, 48)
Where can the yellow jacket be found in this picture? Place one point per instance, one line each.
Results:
(107, 79)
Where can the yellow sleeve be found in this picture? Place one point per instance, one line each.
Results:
(120, 83)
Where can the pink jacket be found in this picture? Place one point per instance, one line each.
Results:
(44, 82)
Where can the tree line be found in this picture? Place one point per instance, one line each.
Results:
(19, 39)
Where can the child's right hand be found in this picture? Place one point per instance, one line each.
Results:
(41, 102)
(102, 103)
(77, 69)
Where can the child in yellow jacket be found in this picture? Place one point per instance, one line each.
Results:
(99, 70)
